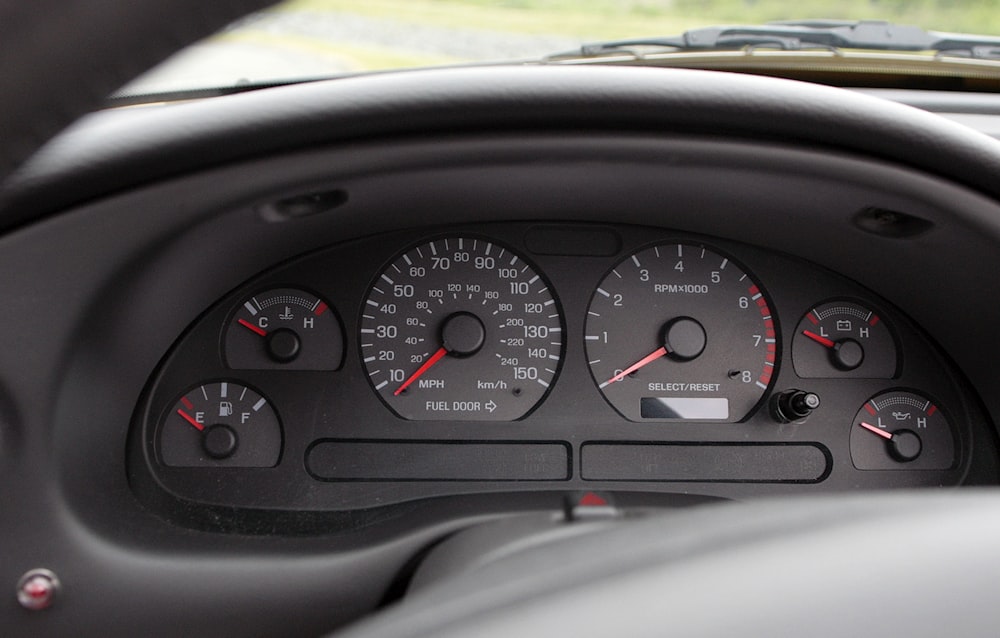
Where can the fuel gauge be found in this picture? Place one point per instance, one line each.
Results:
(220, 424)
(843, 339)
(286, 329)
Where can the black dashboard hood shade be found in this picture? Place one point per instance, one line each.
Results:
(135, 149)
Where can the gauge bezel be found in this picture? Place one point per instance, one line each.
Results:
(884, 318)
(235, 311)
(506, 246)
(773, 357)
(946, 414)
(155, 442)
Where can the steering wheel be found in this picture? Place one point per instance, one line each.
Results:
(892, 564)
(887, 565)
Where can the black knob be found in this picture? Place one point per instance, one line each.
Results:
(283, 345)
(794, 405)
(684, 338)
(904, 445)
(463, 334)
(219, 441)
(847, 354)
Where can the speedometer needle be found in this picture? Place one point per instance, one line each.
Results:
(434, 358)
(653, 356)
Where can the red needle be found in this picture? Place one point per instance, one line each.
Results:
(649, 358)
(190, 420)
(434, 358)
(249, 326)
(823, 341)
(879, 431)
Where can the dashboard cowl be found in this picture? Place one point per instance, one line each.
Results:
(114, 150)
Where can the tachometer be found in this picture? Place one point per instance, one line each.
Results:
(461, 328)
(680, 332)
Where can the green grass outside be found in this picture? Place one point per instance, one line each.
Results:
(600, 19)
(596, 20)
(353, 57)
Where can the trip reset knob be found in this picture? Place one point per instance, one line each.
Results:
(794, 405)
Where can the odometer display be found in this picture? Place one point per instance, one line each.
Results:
(461, 328)
(680, 332)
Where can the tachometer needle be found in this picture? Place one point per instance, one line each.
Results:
(187, 417)
(876, 430)
(434, 358)
(823, 341)
(249, 326)
(653, 356)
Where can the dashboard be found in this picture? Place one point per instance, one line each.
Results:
(548, 356)
(265, 354)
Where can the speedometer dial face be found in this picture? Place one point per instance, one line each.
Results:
(461, 328)
(680, 332)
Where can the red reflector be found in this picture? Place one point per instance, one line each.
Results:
(591, 499)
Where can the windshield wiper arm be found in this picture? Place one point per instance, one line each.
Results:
(792, 36)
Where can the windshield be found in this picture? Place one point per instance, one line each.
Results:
(310, 39)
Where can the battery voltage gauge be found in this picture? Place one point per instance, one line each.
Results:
(843, 339)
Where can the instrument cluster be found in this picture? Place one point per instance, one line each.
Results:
(520, 357)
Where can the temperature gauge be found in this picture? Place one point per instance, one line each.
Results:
(220, 424)
(899, 430)
(285, 329)
(843, 339)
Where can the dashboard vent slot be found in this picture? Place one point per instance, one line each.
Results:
(891, 223)
(302, 205)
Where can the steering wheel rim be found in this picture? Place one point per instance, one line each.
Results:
(841, 566)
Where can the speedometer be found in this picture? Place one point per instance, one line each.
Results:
(680, 332)
(461, 328)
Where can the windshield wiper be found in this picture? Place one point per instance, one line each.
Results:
(821, 34)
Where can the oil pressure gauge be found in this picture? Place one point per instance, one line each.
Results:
(902, 429)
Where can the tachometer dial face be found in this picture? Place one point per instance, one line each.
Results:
(461, 328)
(680, 332)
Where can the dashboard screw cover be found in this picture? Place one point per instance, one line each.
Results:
(37, 589)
